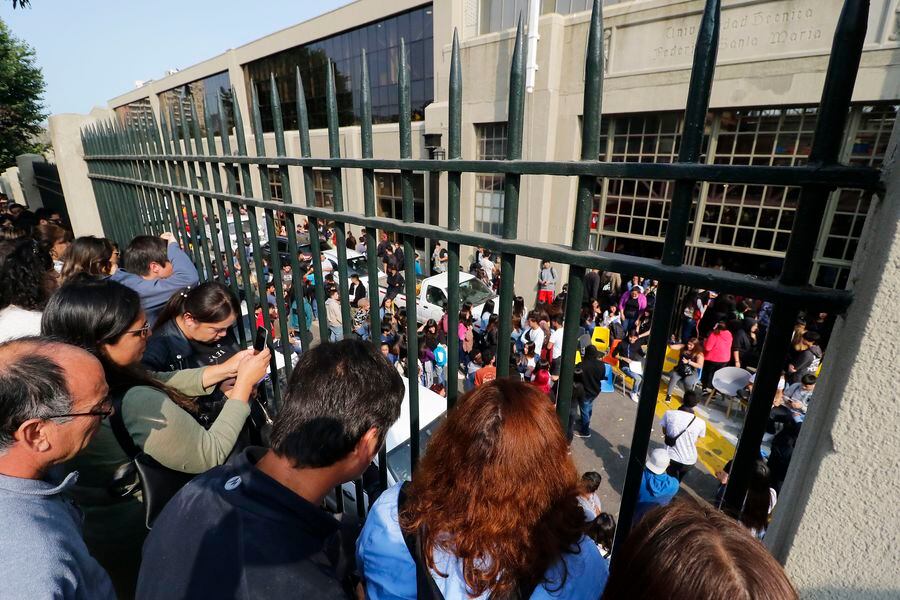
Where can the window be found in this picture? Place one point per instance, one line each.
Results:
(736, 224)
(205, 94)
(381, 41)
(275, 192)
(497, 15)
(136, 114)
(491, 140)
(389, 197)
(435, 296)
(322, 188)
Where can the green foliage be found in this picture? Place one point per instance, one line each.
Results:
(21, 105)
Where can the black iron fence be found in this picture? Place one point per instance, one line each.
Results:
(154, 178)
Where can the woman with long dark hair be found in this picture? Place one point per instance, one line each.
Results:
(759, 501)
(687, 371)
(157, 410)
(90, 255)
(481, 532)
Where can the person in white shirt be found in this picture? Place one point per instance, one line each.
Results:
(487, 263)
(534, 333)
(681, 429)
(555, 345)
(28, 281)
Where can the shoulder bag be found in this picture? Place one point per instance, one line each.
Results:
(670, 440)
(157, 483)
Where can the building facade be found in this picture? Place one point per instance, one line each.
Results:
(771, 63)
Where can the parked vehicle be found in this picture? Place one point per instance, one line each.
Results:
(432, 296)
(432, 411)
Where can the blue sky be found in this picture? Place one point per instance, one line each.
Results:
(93, 50)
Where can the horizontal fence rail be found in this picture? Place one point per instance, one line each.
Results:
(156, 178)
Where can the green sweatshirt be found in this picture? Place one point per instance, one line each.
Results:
(114, 527)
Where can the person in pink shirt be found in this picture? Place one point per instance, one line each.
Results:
(717, 352)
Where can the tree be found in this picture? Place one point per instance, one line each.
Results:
(21, 105)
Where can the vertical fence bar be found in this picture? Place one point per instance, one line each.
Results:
(840, 79)
(511, 182)
(236, 215)
(208, 232)
(673, 248)
(590, 151)
(181, 205)
(291, 227)
(195, 210)
(454, 146)
(369, 203)
(409, 256)
(371, 235)
(171, 176)
(309, 192)
(337, 188)
(162, 176)
(247, 188)
(228, 276)
(274, 251)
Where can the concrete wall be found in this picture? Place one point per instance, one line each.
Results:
(14, 185)
(65, 134)
(837, 525)
(26, 175)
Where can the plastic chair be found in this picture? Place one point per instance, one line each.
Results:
(600, 338)
(609, 358)
(673, 355)
(607, 385)
(577, 358)
(728, 381)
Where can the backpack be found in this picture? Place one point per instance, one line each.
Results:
(440, 355)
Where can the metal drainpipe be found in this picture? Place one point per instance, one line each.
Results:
(534, 15)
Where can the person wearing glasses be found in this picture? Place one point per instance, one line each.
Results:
(155, 268)
(53, 398)
(158, 411)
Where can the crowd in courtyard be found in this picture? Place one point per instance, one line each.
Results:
(138, 457)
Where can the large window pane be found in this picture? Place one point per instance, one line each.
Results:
(381, 41)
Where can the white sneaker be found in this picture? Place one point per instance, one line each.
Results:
(636, 397)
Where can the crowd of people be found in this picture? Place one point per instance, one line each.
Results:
(131, 464)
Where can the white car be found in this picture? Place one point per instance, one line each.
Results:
(432, 410)
(432, 296)
(356, 263)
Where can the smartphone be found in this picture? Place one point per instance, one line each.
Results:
(262, 338)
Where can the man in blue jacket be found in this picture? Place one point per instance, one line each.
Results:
(254, 528)
(155, 267)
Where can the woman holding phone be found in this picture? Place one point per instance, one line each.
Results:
(158, 411)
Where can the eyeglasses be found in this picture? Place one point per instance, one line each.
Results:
(143, 331)
(102, 410)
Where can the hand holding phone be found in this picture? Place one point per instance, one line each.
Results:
(262, 339)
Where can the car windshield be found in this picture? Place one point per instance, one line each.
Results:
(398, 459)
(473, 291)
(358, 266)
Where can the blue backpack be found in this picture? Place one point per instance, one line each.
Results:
(440, 355)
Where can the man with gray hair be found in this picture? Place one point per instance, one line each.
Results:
(52, 399)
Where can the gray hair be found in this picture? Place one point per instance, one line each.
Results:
(32, 386)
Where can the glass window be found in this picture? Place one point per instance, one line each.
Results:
(381, 41)
(389, 196)
(322, 188)
(205, 95)
(136, 114)
(491, 140)
(497, 15)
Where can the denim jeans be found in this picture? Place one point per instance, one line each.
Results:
(586, 406)
(337, 333)
(688, 382)
(636, 388)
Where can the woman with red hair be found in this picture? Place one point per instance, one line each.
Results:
(467, 527)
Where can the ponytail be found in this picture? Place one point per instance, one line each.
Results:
(209, 302)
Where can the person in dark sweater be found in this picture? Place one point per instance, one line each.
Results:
(254, 528)
(593, 374)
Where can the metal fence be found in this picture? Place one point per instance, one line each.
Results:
(151, 179)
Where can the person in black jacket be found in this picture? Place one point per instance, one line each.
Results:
(254, 528)
(593, 374)
(357, 290)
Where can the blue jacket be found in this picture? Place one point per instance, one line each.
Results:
(390, 573)
(656, 490)
(155, 293)
(42, 553)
